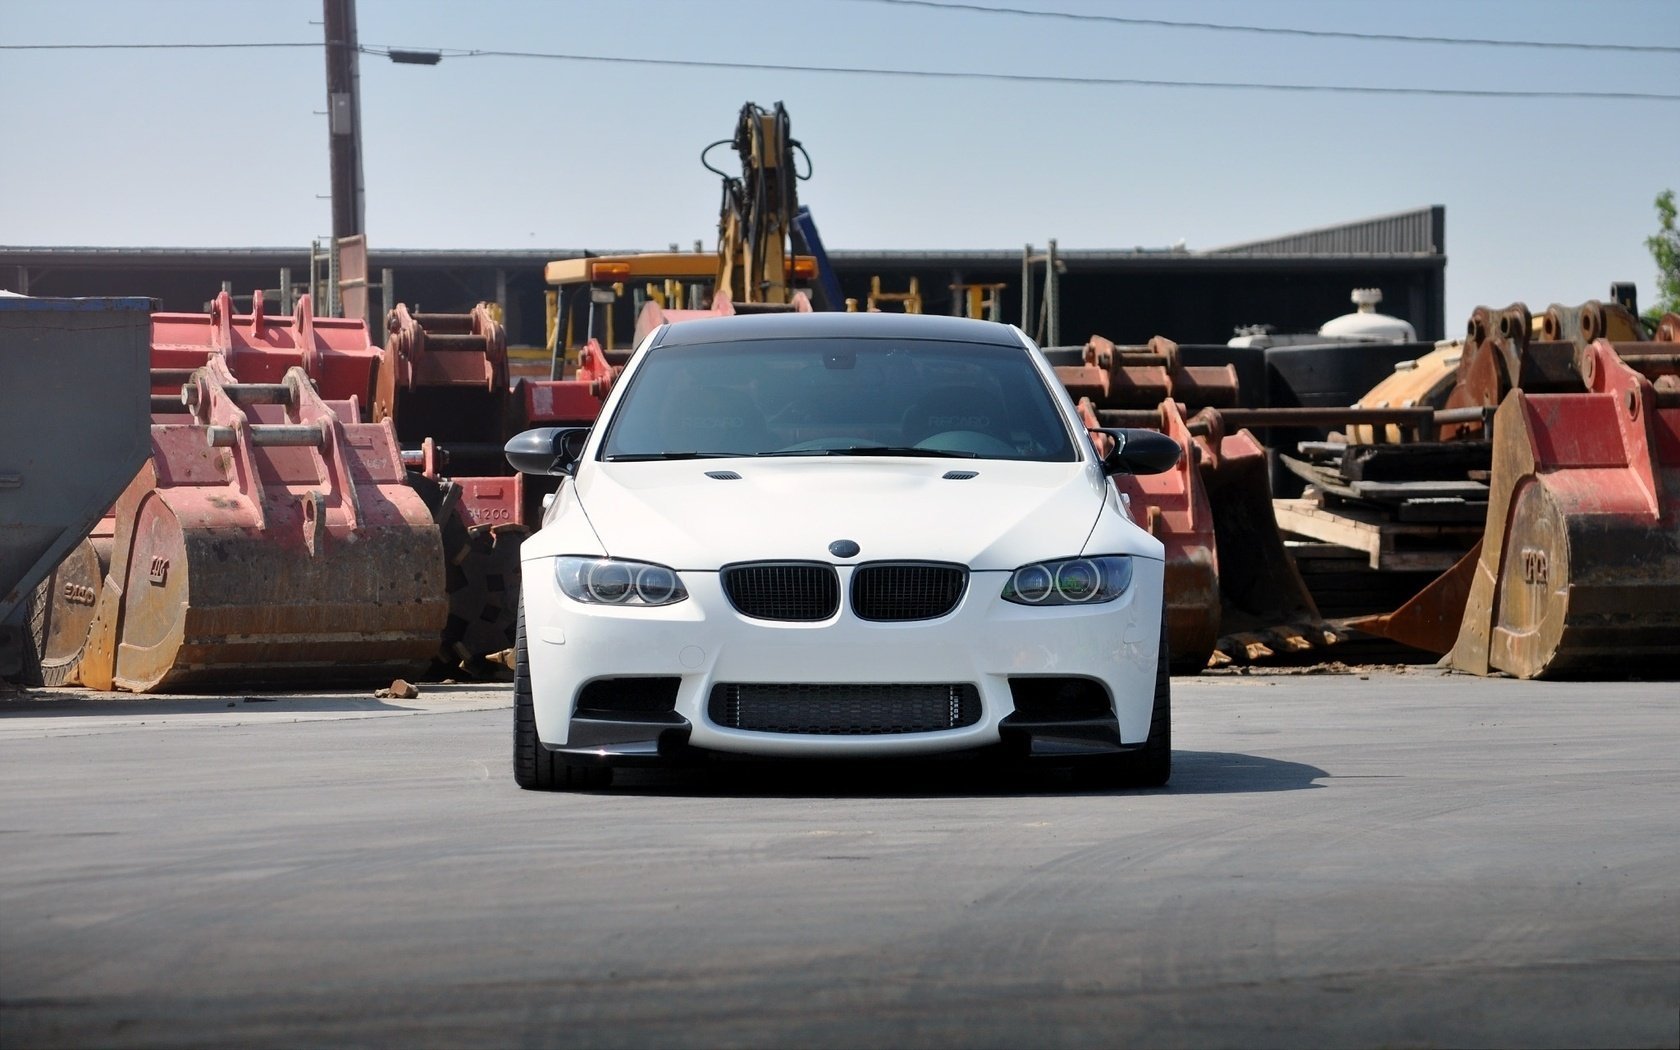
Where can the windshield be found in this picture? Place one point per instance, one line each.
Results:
(837, 397)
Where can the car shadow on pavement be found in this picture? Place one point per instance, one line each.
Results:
(1230, 773)
(1194, 773)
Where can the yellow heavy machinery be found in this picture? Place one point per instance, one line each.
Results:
(604, 305)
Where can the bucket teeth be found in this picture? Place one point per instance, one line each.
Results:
(1286, 643)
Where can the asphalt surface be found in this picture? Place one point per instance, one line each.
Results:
(1394, 859)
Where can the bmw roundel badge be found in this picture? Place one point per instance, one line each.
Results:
(843, 549)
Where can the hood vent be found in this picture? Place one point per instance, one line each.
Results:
(723, 475)
(960, 475)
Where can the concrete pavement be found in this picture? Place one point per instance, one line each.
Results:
(1402, 858)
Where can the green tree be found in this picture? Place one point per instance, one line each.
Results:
(1665, 249)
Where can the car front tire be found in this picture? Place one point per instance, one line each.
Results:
(1151, 765)
(535, 768)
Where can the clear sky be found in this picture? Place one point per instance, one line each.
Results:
(1548, 199)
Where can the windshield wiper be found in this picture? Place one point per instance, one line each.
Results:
(644, 457)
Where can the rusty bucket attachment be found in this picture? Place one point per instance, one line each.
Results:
(61, 613)
(574, 400)
(257, 347)
(1233, 594)
(1142, 377)
(1136, 386)
(1430, 620)
(1173, 507)
(445, 377)
(1426, 381)
(1502, 350)
(270, 539)
(334, 352)
(1579, 571)
(444, 384)
(1266, 611)
(1232, 591)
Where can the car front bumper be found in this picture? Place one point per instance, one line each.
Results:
(702, 641)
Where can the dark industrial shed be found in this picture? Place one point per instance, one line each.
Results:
(1293, 283)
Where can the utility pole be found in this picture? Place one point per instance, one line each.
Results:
(344, 122)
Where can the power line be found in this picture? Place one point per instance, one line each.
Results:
(1039, 78)
(157, 47)
(1167, 23)
(925, 74)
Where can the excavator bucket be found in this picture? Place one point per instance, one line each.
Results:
(445, 377)
(261, 348)
(1518, 600)
(1428, 380)
(1579, 570)
(1266, 611)
(1430, 620)
(443, 382)
(1233, 594)
(1173, 507)
(65, 605)
(270, 539)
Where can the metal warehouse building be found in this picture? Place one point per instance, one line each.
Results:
(1293, 283)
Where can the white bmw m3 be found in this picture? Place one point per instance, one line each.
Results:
(838, 535)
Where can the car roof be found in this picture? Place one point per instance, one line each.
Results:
(835, 326)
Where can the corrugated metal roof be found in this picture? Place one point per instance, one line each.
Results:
(1419, 232)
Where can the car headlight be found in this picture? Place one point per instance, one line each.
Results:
(1070, 581)
(613, 581)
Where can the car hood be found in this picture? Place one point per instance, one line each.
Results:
(1008, 514)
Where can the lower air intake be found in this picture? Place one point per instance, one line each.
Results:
(844, 710)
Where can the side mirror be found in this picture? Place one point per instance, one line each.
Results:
(1139, 451)
(546, 450)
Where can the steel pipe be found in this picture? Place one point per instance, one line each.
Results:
(269, 434)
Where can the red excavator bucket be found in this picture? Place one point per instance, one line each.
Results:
(1233, 593)
(1579, 571)
(271, 538)
(334, 352)
(1173, 507)
(1266, 611)
(1232, 590)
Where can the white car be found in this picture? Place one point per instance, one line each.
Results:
(838, 536)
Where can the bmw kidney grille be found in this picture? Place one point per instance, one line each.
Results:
(797, 591)
(907, 590)
(880, 591)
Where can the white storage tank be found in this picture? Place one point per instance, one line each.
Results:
(1366, 325)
